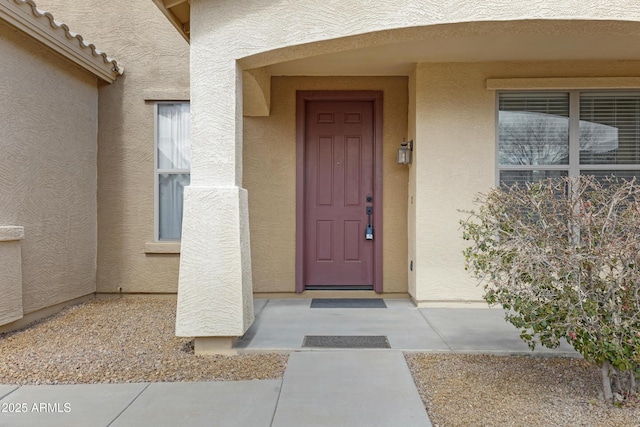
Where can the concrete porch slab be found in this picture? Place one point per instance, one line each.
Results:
(258, 305)
(482, 330)
(283, 324)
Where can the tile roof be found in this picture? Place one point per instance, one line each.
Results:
(25, 15)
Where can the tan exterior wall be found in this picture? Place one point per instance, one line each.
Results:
(455, 158)
(156, 61)
(269, 155)
(48, 127)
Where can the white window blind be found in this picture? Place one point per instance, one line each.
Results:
(536, 141)
(609, 129)
(534, 129)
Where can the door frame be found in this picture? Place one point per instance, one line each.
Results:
(302, 97)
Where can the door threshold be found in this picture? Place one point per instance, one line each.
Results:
(338, 288)
(348, 303)
(331, 294)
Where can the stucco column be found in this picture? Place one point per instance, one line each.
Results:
(215, 302)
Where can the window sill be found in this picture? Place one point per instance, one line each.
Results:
(10, 233)
(162, 248)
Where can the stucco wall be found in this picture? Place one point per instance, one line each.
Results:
(270, 177)
(455, 158)
(258, 32)
(156, 61)
(48, 127)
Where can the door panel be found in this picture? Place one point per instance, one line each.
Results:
(338, 178)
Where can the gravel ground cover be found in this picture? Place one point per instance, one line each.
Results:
(481, 390)
(132, 340)
(117, 341)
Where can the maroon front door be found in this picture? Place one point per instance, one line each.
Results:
(338, 188)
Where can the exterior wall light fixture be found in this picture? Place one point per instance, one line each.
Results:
(405, 152)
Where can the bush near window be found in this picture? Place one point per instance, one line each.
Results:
(562, 257)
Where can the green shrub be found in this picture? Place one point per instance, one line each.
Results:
(562, 257)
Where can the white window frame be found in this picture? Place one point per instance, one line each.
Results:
(157, 172)
(574, 167)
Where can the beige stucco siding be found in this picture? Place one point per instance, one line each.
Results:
(156, 59)
(270, 177)
(455, 159)
(48, 117)
(264, 36)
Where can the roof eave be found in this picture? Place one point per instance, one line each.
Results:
(24, 15)
(183, 26)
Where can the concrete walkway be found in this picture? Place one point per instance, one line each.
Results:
(283, 324)
(328, 387)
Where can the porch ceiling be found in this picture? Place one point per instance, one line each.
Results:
(531, 41)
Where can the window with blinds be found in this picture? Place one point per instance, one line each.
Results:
(536, 139)
(534, 129)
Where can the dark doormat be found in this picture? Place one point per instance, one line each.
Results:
(346, 341)
(348, 303)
